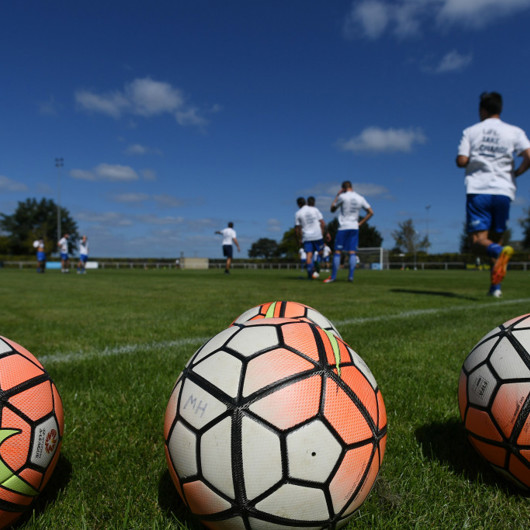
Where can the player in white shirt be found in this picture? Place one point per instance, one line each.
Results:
(349, 203)
(486, 151)
(309, 229)
(63, 250)
(229, 238)
(83, 255)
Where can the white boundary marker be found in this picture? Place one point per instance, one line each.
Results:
(62, 358)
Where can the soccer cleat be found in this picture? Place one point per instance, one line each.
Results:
(501, 264)
(496, 293)
(329, 280)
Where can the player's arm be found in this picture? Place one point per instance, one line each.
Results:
(525, 164)
(334, 204)
(462, 160)
(323, 227)
(369, 214)
(236, 244)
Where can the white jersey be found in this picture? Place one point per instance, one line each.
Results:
(350, 204)
(326, 252)
(83, 248)
(490, 146)
(308, 218)
(228, 235)
(63, 244)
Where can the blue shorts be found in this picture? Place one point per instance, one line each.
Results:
(313, 246)
(347, 240)
(487, 212)
(64, 256)
(228, 251)
(83, 258)
(41, 256)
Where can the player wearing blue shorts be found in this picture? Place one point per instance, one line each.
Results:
(349, 203)
(83, 255)
(63, 249)
(309, 227)
(486, 151)
(229, 238)
(41, 255)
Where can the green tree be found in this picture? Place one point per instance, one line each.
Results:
(288, 246)
(263, 248)
(408, 240)
(32, 220)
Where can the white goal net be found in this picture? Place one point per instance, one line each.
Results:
(375, 258)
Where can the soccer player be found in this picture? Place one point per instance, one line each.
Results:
(486, 151)
(83, 255)
(63, 248)
(41, 255)
(229, 238)
(309, 230)
(349, 203)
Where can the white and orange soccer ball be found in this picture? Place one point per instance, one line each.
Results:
(494, 399)
(275, 423)
(31, 429)
(287, 309)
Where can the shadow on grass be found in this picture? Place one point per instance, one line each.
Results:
(447, 294)
(58, 482)
(448, 444)
(171, 503)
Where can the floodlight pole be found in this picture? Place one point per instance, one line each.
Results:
(59, 163)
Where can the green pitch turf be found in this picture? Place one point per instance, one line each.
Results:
(114, 341)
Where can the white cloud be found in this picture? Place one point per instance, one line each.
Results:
(274, 225)
(168, 201)
(130, 197)
(453, 62)
(111, 104)
(478, 13)
(369, 18)
(7, 184)
(373, 19)
(137, 149)
(377, 140)
(142, 97)
(371, 190)
(149, 174)
(108, 172)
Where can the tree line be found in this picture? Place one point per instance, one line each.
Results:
(33, 220)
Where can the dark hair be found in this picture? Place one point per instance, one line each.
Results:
(346, 184)
(491, 103)
(300, 201)
(230, 225)
(311, 201)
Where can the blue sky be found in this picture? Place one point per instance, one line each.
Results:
(175, 117)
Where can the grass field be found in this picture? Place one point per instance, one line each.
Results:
(115, 341)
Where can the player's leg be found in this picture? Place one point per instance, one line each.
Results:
(501, 214)
(351, 245)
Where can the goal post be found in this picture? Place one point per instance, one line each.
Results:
(375, 258)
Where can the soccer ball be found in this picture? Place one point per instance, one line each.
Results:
(494, 399)
(284, 309)
(315, 275)
(31, 429)
(275, 423)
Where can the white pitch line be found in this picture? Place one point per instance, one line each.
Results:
(61, 358)
(422, 312)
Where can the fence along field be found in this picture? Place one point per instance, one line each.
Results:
(114, 342)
